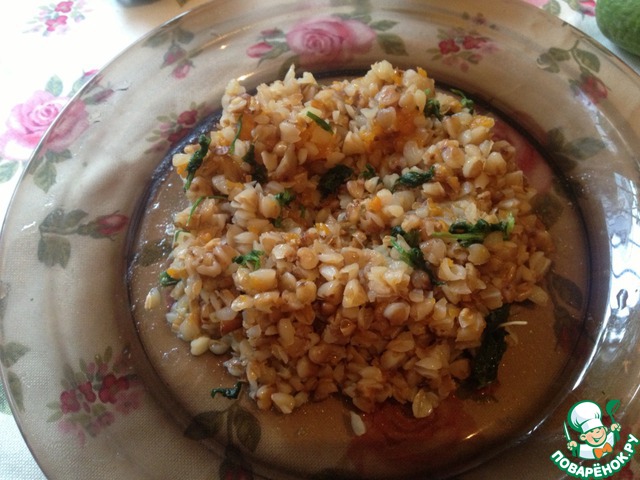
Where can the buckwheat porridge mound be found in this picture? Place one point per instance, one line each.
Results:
(350, 238)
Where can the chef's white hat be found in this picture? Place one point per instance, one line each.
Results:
(585, 416)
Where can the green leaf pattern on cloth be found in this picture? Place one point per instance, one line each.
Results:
(587, 84)
(54, 247)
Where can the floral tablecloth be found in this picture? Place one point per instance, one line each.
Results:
(51, 50)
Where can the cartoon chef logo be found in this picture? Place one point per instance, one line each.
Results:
(592, 439)
(596, 440)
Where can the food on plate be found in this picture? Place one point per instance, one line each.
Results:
(363, 237)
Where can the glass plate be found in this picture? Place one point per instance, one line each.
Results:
(102, 390)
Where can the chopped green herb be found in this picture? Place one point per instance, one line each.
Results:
(432, 107)
(167, 280)
(484, 366)
(193, 209)
(196, 159)
(368, 172)
(467, 234)
(232, 147)
(414, 179)
(414, 258)
(231, 392)
(176, 235)
(333, 178)
(199, 201)
(259, 171)
(321, 122)
(252, 258)
(464, 100)
(285, 197)
(412, 238)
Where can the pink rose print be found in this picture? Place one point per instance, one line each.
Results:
(53, 23)
(110, 225)
(588, 85)
(71, 126)
(188, 118)
(54, 248)
(588, 7)
(176, 56)
(448, 46)
(111, 386)
(64, 7)
(175, 53)
(592, 87)
(69, 402)
(87, 391)
(56, 17)
(182, 70)
(92, 401)
(29, 121)
(469, 42)
(329, 39)
(462, 48)
(259, 49)
(173, 128)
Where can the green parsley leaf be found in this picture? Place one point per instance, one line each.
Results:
(321, 122)
(414, 258)
(333, 178)
(231, 392)
(432, 107)
(484, 367)
(467, 234)
(196, 159)
(285, 197)
(368, 172)
(259, 171)
(412, 238)
(167, 280)
(232, 147)
(249, 259)
(193, 209)
(464, 100)
(199, 201)
(414, 179)
(176, 235)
